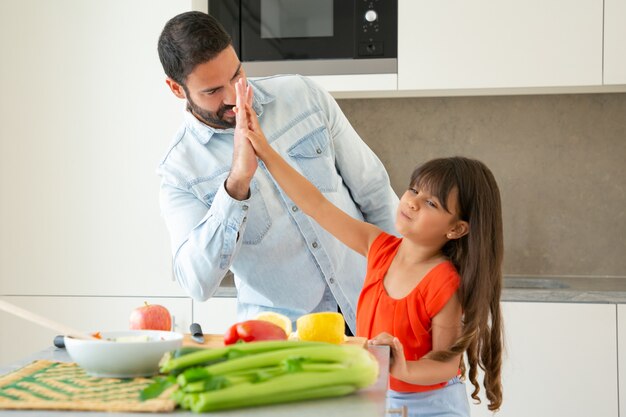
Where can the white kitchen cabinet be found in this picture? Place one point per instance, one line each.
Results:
(21, 338)
(357, 82)
(614, 41)
(621, 356)
(216, 314)
(80, 211)
(561, 360)
(450, 44)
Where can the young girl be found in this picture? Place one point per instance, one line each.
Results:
(433, 294)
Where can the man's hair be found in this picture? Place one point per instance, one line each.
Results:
(190, 39)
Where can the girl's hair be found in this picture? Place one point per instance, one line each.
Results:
(477, 257)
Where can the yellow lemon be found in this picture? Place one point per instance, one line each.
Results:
(321, 327)
(278, 319)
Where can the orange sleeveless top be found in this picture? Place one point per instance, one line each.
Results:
(408, 318)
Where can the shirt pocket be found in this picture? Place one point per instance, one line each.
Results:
(206, 187)
(258, 221)
(314, 155)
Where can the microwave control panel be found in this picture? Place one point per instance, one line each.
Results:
(376, 30)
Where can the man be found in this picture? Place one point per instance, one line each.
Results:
(222, 208)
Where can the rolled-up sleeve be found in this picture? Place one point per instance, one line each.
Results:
(204, 239)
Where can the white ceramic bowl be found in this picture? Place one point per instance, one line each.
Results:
(123, 359)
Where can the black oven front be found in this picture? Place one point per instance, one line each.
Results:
(312, 37)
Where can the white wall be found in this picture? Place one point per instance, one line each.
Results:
(85, 116)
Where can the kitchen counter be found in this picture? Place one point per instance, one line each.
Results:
(565, 289)
(368, 402)
(535, 289)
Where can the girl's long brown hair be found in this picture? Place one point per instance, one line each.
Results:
(477, 257)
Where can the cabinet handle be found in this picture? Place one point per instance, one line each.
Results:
(173, 323)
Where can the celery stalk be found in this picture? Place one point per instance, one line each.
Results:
(324, 353)
(209, 355)
(289, 386)
(202, 404)
(259, 373)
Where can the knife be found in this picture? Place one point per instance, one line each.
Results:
(196, 333)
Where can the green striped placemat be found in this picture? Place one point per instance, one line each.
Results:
(65, 386)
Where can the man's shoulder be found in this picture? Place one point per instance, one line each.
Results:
(276, 84)
(175, 143)
(182, 156)
(289, 94)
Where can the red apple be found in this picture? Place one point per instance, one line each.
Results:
(150, 317)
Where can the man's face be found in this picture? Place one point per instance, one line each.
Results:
(210, 89)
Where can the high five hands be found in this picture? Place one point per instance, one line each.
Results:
(247, 121)
(244, 159)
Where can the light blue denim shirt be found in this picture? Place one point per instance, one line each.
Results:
(281, 259)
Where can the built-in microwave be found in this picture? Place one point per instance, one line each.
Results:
(312, 37)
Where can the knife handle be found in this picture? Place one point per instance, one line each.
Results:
(59, 341)
(195, 329)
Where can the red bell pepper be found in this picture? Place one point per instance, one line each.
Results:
(253, 330)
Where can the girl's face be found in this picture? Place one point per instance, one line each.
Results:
(422, 218)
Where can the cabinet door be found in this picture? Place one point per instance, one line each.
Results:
(216, 314)
(621, 356)
(21, 338)
(448, 44)
(89, 223)
(560, 360)
(614, 41)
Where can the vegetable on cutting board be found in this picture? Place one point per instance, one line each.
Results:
(265, 372)
(252, 331)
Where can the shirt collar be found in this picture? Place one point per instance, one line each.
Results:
(204, 133)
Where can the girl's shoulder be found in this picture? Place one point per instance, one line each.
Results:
(382, 250)
(438, 286)
(442, 274)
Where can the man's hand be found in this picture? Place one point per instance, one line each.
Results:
(244, 159)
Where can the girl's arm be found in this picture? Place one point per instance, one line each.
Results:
(356, 234)
(446, 328)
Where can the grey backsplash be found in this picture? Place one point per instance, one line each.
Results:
(560, 162)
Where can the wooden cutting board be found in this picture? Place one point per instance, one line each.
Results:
(217, 340)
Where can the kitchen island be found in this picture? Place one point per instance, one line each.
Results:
(365, 403)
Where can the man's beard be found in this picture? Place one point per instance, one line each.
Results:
(213, 119)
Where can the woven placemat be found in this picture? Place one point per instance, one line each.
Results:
(46, 385)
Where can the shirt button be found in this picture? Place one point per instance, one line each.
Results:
(244, 219)
(294, 208)
(314, 244)
(318, 150)
(244, 207)
(332, 280)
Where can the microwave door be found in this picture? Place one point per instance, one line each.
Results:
(296, 29)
